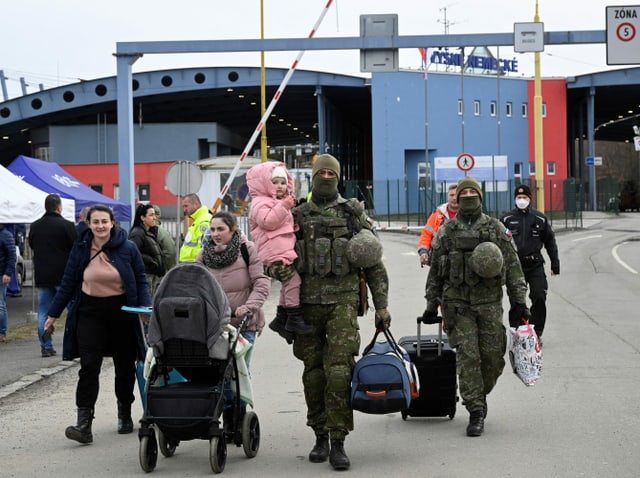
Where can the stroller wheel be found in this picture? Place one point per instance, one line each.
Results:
(167, 448)
(148, 452)
(250, 434)
(218, 453)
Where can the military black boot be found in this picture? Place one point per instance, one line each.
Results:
(279, 323)
(320, 451)
(295, 321)
(337, 457)
(82, 431)
(476, 423)
(125, 423)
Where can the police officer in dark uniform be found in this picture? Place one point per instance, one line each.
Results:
(531, 230)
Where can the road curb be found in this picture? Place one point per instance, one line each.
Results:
(35, 377)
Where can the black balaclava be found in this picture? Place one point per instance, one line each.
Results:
(470, 206)
(324, 189)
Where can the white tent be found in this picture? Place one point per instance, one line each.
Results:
(21, 203)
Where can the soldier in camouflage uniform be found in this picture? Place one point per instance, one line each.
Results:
(472, 300)
(329, 296)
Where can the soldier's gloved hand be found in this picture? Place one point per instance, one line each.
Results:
(517, 312)
(430, 315)
(280, 271)
(555, 268)
(423, 253)
(382, 319)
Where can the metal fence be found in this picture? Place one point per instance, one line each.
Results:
(411, 202)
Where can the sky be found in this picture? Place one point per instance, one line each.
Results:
(57, 42)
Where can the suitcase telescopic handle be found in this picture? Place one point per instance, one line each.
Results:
(420, 321)
(431, 320)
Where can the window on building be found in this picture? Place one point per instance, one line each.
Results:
(508, 109)
(476, 108)
(116, 192)
(424, 172)
(544, 110)
(524, 110)
(493, 108)
(460, 106)
(551, 168)
(144, 192)
(517, 170)
(96, 187)
(532, 169)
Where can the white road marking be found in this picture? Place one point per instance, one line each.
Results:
(595, 236)
(614, 253)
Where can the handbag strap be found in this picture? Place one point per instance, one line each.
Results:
(390, 339)
(97, 254)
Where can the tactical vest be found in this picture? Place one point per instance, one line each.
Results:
(460, 242)
(322, 243)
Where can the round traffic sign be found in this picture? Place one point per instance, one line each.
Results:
(626, 32)
(465, 162)
(183, 177)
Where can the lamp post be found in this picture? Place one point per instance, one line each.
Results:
(537, 126)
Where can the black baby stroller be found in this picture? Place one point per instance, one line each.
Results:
(188, 333)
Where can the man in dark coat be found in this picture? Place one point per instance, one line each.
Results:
(51, 238)
(531, 232)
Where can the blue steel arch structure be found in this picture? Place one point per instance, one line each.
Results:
(317, 106)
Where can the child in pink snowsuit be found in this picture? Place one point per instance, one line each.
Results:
(272, 230)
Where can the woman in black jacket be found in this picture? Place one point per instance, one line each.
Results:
(103, 273)
(142, 236)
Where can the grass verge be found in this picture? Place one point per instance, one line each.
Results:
(30, 329)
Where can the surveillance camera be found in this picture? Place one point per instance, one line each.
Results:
(636, 130)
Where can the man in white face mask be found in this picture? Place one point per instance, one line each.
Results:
(531, 230)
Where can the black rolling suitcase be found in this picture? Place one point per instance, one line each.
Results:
(436, 364)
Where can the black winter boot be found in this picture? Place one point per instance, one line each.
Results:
(476, 423)
(125, 423)
(82, 431)
(295, 321)
(337, 457)
(279, 325)
(320, 451)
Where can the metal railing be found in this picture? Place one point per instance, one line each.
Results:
(411, 202)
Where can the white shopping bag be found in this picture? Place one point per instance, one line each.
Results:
(242, 351)
(525, 354)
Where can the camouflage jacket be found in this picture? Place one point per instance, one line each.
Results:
(327, 276)
(452, 279)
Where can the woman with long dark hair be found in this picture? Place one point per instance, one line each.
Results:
(143, 237)
(234, 262)
(104, 272)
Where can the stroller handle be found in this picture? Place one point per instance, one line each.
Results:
(245, 318)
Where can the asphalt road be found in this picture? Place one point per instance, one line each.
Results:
(581, 419)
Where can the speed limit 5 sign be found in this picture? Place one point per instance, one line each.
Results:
(623, 35)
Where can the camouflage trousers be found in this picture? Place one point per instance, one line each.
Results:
(480, 340)
(328, 356)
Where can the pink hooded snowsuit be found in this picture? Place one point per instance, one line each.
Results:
(270, 220)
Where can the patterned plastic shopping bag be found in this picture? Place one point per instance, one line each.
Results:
(525, 354)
